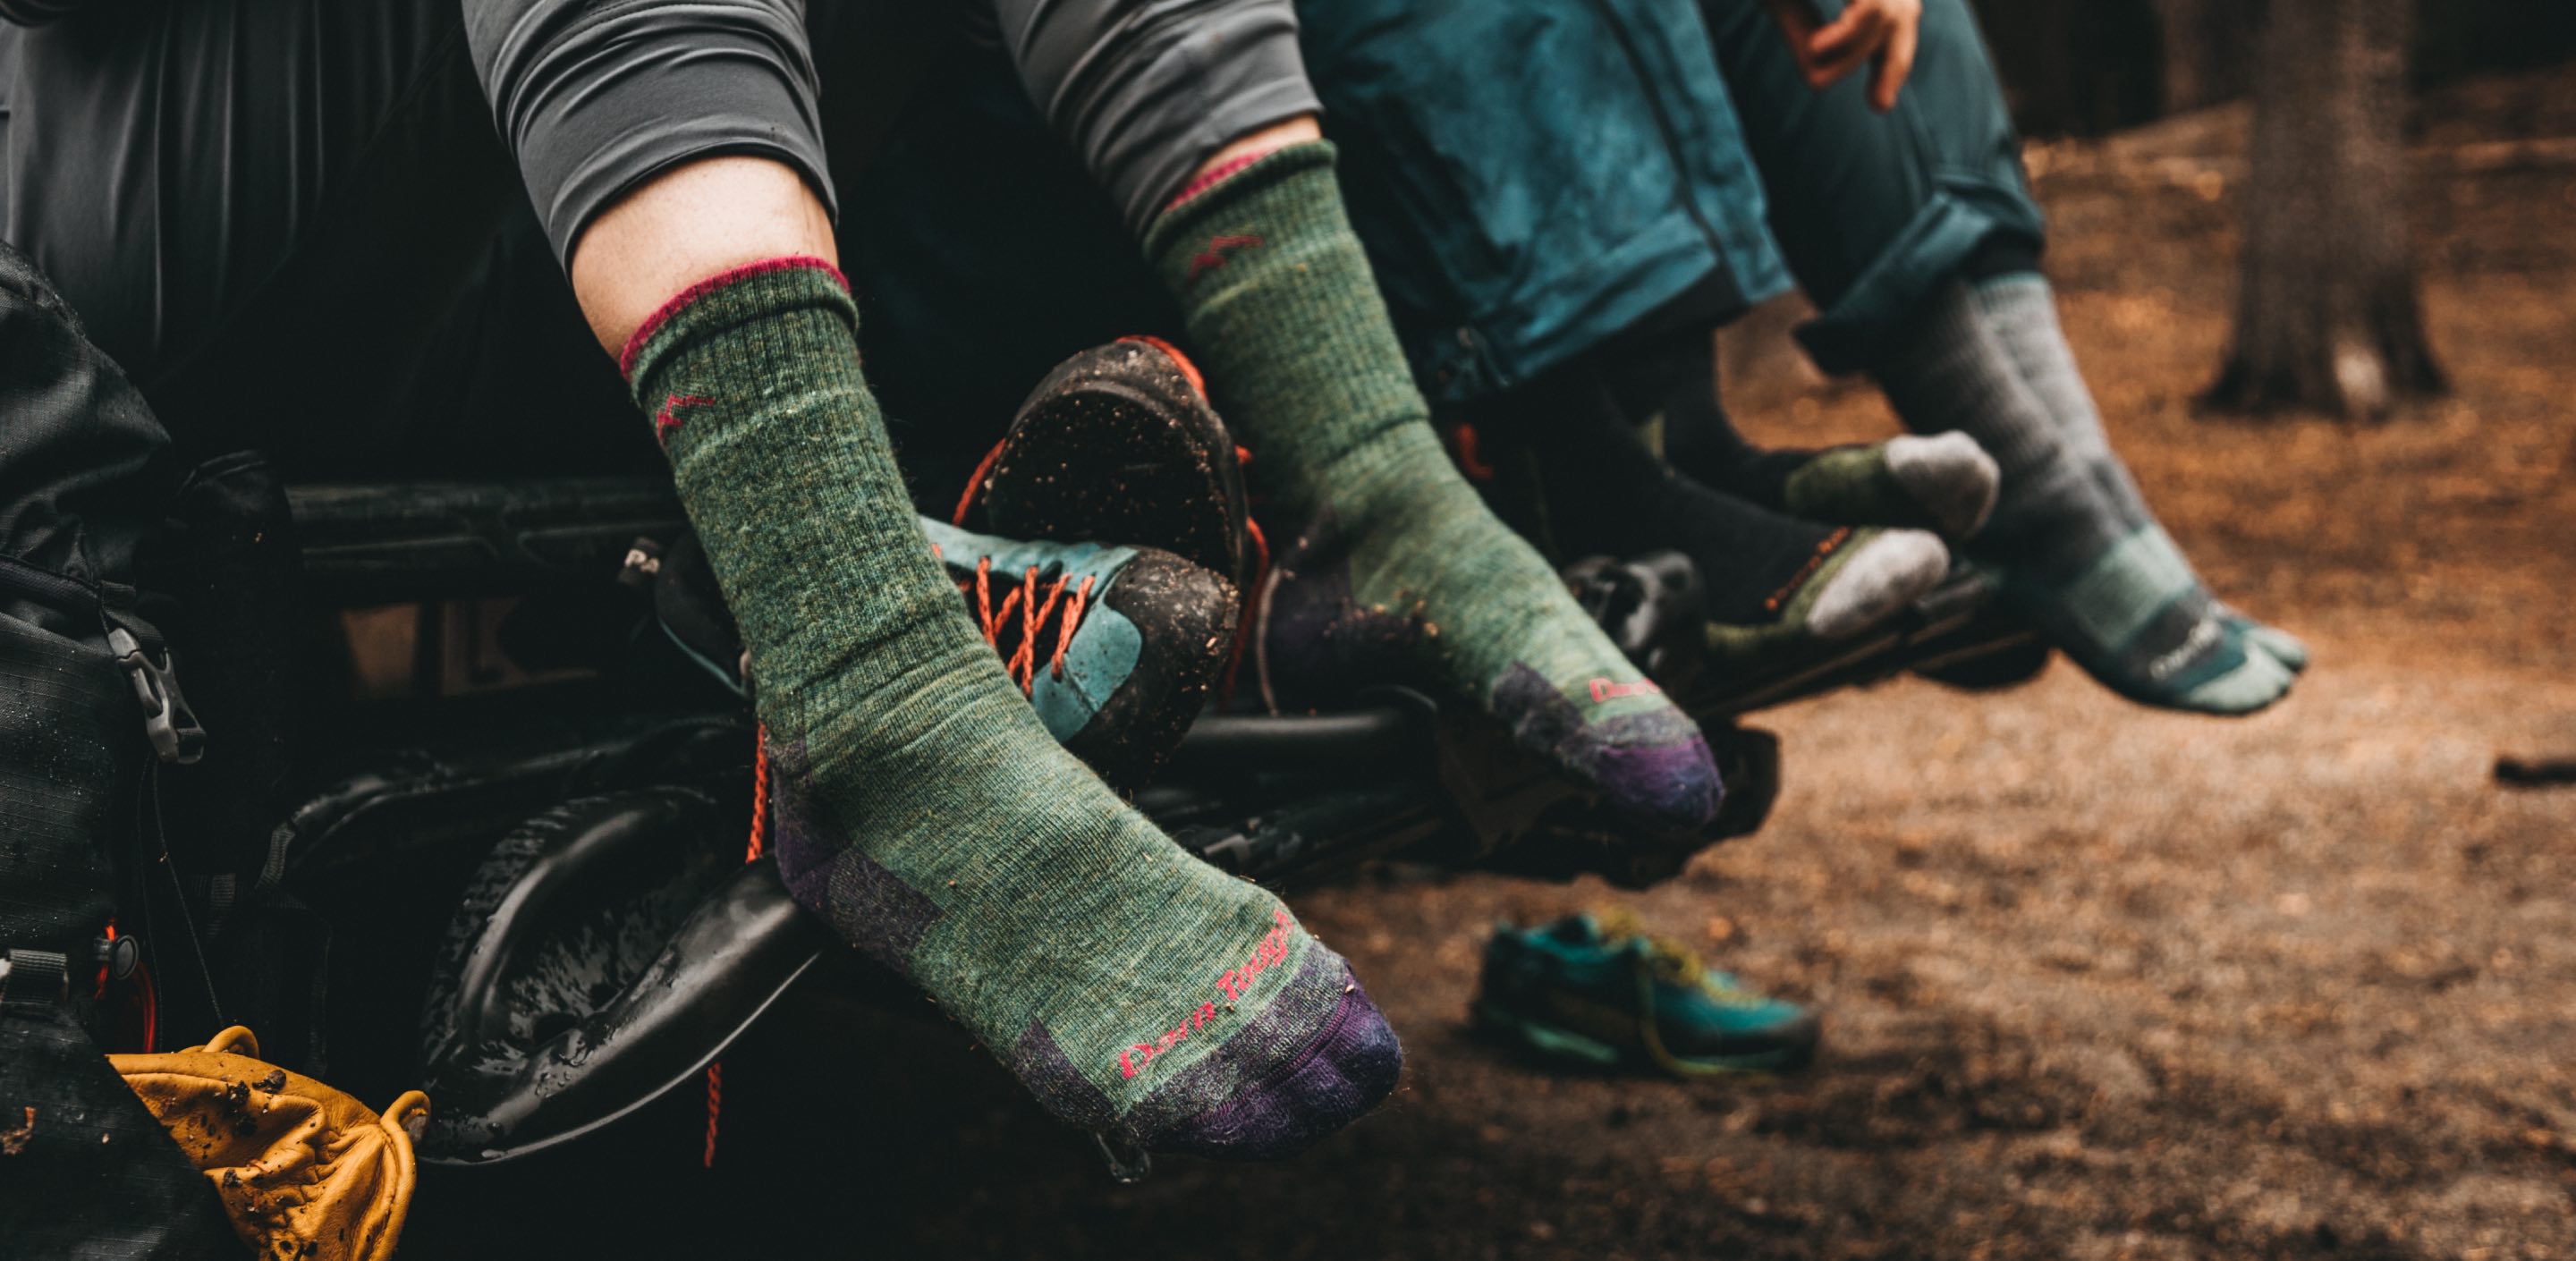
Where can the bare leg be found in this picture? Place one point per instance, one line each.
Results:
(685, 225)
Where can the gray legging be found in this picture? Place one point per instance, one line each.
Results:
(295, 227)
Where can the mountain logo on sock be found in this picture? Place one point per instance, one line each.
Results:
(667, 421)
(1219, 250)
(1604, 689)
(1272, 952)
(2203, 633)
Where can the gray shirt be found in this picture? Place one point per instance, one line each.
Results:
(595, 96)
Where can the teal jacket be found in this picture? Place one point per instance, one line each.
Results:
(1532, 178)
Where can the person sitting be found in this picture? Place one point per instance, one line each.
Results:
(1895, 198)
(299, 265)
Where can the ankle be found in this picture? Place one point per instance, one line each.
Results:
(1384, 476)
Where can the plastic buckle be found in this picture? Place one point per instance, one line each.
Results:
(119, 955)
(167, 720)
(35, 975)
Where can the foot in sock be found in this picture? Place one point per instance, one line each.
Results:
(1135, 991)
(1397, 570)
(2111, 591)
(1776, 584)
(1944, 482)
(1116, 647)
(2022, 311)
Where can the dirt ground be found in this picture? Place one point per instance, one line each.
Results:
(2101, 982)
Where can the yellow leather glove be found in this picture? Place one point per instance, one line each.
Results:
(307, 1172)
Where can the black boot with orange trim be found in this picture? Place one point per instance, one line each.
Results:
(1119, 442)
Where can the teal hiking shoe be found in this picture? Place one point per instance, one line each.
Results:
(1117, 648)
(1600, 993)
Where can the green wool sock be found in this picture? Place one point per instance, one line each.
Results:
(925, 811)
(1399, 571)
(1944, 482)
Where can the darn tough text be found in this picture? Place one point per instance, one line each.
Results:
(1272, 952)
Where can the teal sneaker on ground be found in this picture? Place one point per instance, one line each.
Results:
(1599, 992)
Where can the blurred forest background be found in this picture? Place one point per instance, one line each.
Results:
(2089, 67)
(2327, 310)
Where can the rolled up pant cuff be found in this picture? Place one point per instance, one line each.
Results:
(1934, 249)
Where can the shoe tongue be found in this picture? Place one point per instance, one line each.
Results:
(1616, 924)
(1620, 926)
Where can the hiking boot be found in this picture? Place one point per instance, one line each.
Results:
(1600, 993)
(1119, 443)
(1116, 647)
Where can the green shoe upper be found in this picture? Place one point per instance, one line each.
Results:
(1116, 647)
(1866, 577)
(1046, 607)
(1944, 483)
(1606, 992)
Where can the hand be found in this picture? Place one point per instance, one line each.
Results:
(1880, 32)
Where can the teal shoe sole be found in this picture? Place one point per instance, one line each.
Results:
(1565, 1046)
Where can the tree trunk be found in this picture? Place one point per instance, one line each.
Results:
(2205, 54)
(2326, 311)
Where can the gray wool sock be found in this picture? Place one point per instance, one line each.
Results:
(2108, 589)
(2022, 311)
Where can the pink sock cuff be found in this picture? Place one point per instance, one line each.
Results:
(662, 314)
(1225, 170)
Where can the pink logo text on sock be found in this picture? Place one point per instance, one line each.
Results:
(1270, 953)
(667, 421)
(1604, 689)
(1219, 250)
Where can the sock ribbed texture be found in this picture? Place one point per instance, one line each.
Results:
(1400, 568)
(2022, 310)
(1133, 989)
(2109, 591)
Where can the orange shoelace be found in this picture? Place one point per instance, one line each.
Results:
(1259, 581)
(1017, 639)
(1021, 660)
(751, 854)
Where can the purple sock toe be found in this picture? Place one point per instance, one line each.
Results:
(1653, 767)
(1667, 780)
(1346, 1069)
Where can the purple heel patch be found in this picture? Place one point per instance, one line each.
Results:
(1041, 1065)
(826, 872)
